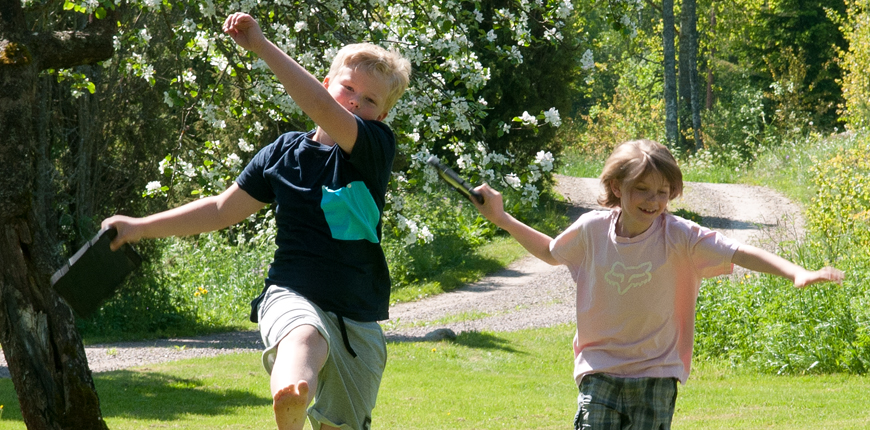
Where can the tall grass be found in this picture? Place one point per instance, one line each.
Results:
(766, 324)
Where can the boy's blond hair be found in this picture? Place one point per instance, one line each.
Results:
(388, 65)
(633, 160)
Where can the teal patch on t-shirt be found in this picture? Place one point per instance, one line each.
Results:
(351, 212)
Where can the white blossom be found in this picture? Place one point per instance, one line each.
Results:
(545, 160)
(245, 146)
(587, 61)
(512, 180)
(529, 119)
(144, 35)
(153, 187)
(552, 117)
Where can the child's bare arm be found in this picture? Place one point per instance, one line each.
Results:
(537, 243)
(759, 260)
(308, 93)
(199, 216)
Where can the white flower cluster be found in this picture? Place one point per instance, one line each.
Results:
(412, 231)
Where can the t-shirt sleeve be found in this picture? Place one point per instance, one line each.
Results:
(253, 178)
(568, 247)
(374, 151)
(711, 251)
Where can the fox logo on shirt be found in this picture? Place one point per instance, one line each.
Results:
(626, 278)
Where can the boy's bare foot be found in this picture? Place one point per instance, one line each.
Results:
(291, 406)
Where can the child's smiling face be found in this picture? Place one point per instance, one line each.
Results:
(361, 93)
(641, 202)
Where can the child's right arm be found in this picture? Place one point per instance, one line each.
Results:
(309, 94)
(537, 243)
(200, 216)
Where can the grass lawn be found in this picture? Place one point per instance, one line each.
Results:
(484, 380)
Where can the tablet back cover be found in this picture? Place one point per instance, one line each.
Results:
(94, 273)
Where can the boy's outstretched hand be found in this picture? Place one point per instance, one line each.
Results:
(244, 30)
(826, 274)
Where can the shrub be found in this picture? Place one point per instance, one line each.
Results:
(764, 322)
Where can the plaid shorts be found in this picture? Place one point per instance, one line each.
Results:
(611, 403)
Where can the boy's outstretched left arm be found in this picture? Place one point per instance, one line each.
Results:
(759, 260)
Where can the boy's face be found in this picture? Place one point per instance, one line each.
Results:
(641, 202)
(359, 92)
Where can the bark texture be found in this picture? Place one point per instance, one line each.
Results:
(43, 349)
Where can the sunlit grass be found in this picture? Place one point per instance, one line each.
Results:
(481, 380)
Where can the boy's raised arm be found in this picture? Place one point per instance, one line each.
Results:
(759, 260)
(537, 243)
(308, 93)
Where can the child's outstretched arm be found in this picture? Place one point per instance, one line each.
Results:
(537, 243)
(199, 216)
(759, 260)
(308, 93)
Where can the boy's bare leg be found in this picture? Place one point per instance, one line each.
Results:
(301, 355)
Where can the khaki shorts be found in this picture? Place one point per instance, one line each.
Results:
(348, 385)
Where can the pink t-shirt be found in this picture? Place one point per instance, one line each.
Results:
(636, 296)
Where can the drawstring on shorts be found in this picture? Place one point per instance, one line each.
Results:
(343, 329)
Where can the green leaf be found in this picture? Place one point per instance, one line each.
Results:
(92, 88)
(100, 13)
(68, 5)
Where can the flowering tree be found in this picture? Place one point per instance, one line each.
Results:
(230, 104)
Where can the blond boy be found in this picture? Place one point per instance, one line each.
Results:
(328, 284)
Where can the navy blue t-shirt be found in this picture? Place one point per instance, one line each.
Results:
(328, 211)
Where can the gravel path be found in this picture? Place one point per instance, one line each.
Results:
(527, 294)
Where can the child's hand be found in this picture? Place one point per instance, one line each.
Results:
(493, 206)
(244, 30)
(827, 274)
(127, 227)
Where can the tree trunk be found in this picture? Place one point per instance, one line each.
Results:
(689, 30)
(37, 329)
(684, 84)
(709, 104)
(689, 88)
(671, 128)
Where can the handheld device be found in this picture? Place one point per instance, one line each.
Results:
(94, 272)
(455, 181)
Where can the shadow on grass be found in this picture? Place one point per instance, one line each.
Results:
(150, 396)
(476, 339)
(162, 397)
(468, 339)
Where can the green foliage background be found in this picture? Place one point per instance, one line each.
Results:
(788, 108)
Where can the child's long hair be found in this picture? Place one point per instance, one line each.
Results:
(390, 66)
(633, 160)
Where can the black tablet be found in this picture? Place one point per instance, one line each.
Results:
(455, 181)
(94, 273)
